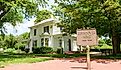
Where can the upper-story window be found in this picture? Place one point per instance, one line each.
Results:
(46, 29)
(35, 32)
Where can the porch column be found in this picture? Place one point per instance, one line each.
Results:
(31, 45)
(63, 44)
(51, 41)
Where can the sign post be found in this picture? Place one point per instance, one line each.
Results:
(87, 37)
(88, 58)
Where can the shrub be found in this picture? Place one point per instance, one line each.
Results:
(60, 50)
(9, 50)
(27, 50)
(22, 48)
(43, 50)
(36, 50)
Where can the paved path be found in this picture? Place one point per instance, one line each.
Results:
(64, 65)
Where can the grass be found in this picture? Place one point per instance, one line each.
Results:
(6, 59)
(62, 55)
(118, 56)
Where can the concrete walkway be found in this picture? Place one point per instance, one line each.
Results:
(64, 65)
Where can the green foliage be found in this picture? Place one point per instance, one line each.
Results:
(60, 50)
(22, 48)
(25, 35)
(62, 55)
(43, 50)
(26, 50)
(36, 50)
(102, 15)
(14, 11)
(101, 42)
(17, 42)
(22, 41)
(108, 42)
(6, 59)
(9, 50)
(8, 41)
(42, 15)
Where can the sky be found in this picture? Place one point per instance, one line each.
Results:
(19, 28)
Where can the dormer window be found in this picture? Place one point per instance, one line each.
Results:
(35, 32)
(46, 29)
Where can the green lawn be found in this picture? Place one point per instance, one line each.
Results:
(6, 59)
(118, 56)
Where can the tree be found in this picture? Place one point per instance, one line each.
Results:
(42, 15)
(104, 15)
(14, 11)
(25, 35)
(10, 41)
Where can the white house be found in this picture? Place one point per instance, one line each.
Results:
(46, 33)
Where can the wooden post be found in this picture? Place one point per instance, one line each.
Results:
(88, 58)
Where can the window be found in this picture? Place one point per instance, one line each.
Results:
(46, 29)
(35, 32)
(35, 43)
(61, 28)
(46, 41)
(60, 43)
(42, 42)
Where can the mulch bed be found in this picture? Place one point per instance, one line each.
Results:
(84, 60)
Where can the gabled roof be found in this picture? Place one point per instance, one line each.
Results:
(45, 21)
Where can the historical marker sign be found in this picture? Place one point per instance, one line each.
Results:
(86, 37)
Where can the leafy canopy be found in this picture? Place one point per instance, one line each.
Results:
(42, 15)
(14, 11)
(104, 15)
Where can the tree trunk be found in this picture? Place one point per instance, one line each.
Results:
(116, 43)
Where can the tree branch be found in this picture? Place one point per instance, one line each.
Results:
(4, 13)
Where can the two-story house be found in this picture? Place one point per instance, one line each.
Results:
(47, 34)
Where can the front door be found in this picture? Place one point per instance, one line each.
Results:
(69, 43)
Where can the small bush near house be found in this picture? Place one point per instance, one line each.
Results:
(43, 50)
(9, 50)
(36, 50)
(60, 50)
(27, 50)
(22, 48)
